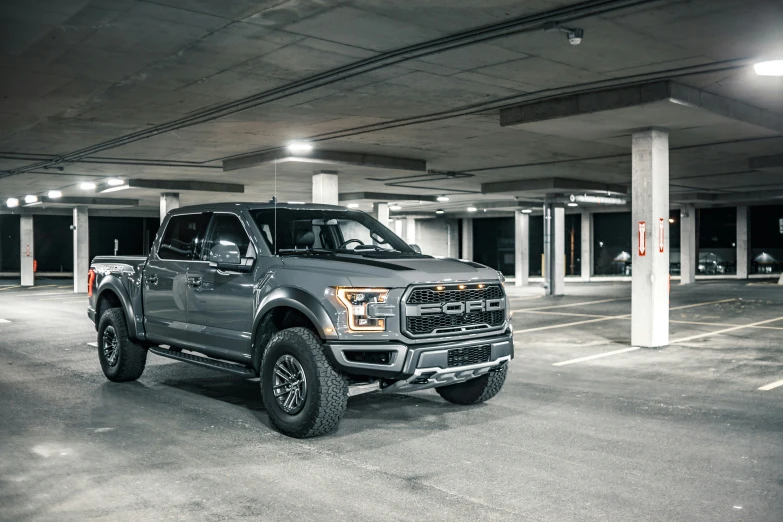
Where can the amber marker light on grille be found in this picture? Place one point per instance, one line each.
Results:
(439, 288)
(482, 286)
(462, 287)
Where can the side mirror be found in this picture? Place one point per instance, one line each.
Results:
(225, 255)
(416, 248)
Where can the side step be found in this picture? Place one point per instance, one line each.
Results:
(203, 361)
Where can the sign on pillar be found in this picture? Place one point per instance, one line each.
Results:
(661, 236)
(642, 238)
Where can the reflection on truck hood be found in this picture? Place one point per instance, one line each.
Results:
(400, 272)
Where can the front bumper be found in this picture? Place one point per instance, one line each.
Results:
(421, 366)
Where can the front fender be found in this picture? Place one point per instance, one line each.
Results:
(302, 301)
(112, 283)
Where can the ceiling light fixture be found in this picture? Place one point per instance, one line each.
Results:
(296, 202)
(769, 68)
(299, 147)
(573, 204)
(671, 220)
(472, 209)
(30, 199)
(395, 207)
(352, 205)
(12, 202)
(443, 198)
(440, 211)
(115, 182)
(87, 185)
(54, 194)
(527, 210)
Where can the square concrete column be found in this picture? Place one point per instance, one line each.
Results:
(26, 248)
(688, 259)
(168, 201)
(743, 243)
(410, 231)
(325, 189)
(381, 213)
(467, 239)
(554, 249)
(586, 255)
(521, 248)
(81, 249)
(398, 228)
(650, 217)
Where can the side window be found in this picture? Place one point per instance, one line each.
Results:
(227, 227)
(182, 237)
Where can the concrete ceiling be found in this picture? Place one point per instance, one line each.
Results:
(169, 89)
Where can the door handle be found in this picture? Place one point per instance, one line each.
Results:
(195, 282)
(153, 279)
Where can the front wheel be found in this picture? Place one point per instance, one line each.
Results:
(475, 390)
(303, 395)
(121, 358)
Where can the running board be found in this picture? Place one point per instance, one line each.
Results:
(203, 361)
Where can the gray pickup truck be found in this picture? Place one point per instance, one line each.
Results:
(320, 302)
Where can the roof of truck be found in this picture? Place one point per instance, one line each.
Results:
(215, 207)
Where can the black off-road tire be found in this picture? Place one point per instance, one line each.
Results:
(476, 390)
(131, 357)
(326, 394)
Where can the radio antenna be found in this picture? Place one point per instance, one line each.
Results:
(275, 208)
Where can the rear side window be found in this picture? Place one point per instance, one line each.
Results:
(182, 238)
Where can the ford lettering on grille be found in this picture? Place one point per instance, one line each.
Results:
(455, 308)
(448, 310)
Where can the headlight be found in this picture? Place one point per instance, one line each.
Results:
(360, 316)
(501, 276)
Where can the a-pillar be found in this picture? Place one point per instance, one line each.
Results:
(586, 255)
(743, 243)
(325, 189)
(521, 248)
(168, 202)
(26, 245)
(554, 249)
(467, 239)
(381, 212)
(81, 249)
(650, 213)
(687, 244)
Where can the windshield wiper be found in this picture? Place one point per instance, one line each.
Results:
(308, 250)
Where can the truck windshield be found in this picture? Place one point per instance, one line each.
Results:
(326, 230)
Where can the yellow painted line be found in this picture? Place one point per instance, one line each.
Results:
(703, 304)
(772, 386)
(575, 323)
(726, 330)
(583, 303)
(596, 356)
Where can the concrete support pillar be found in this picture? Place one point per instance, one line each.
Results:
(168, 201)
(381, 213)
(398, 228)
(586, 255)
(650, 217)
(325, 189)
(688, 250)
(467, 239)
(26, 249)
(521, 248)
(410, 231)
(743, 243)
(81, 249)
(554, 249)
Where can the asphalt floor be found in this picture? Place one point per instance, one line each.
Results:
(585, 428)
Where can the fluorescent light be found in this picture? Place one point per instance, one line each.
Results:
(573, 204)
(443, 198)
(87, 186)
(114, 189)
(54, 194)
(115, 182)
(299, 147)
(296, 202)
(395, 207)
(472, 209)
(527, 210)
(440, 211)
(770, 68)
(12, 202)
(352, 205)
(30, 199)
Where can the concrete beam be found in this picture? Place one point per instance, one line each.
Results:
(550, 185)
(766, 162)
(71, 201)
(636, 95)
(756, 196)
(329, 157)
(179, 186)
(384, 196)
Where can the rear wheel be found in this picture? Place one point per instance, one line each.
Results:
(475, 390)
(303, 395)
(121, 358)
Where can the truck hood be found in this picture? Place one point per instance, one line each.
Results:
(393, 272)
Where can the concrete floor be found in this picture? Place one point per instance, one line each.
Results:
(681, 433)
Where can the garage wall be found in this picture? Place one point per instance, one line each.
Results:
(9, 243)
(438, 237)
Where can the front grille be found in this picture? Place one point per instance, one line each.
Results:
(444, 324)
(471, 355)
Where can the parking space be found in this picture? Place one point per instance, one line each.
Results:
(691, 431)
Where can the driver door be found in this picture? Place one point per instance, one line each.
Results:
(220, 302)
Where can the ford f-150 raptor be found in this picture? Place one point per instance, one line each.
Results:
(318, 301)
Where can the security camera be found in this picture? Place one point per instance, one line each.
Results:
(575, 36)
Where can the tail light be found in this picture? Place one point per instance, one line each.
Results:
(90, 281)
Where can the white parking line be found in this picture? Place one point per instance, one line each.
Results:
(4, 321)
(583, 303)
(702, 304)
(772, 386)
(94, 345)
(599, 319)
(26, 296)
(596, 356)
(569, 314)
(725, 330)
(10, 287)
